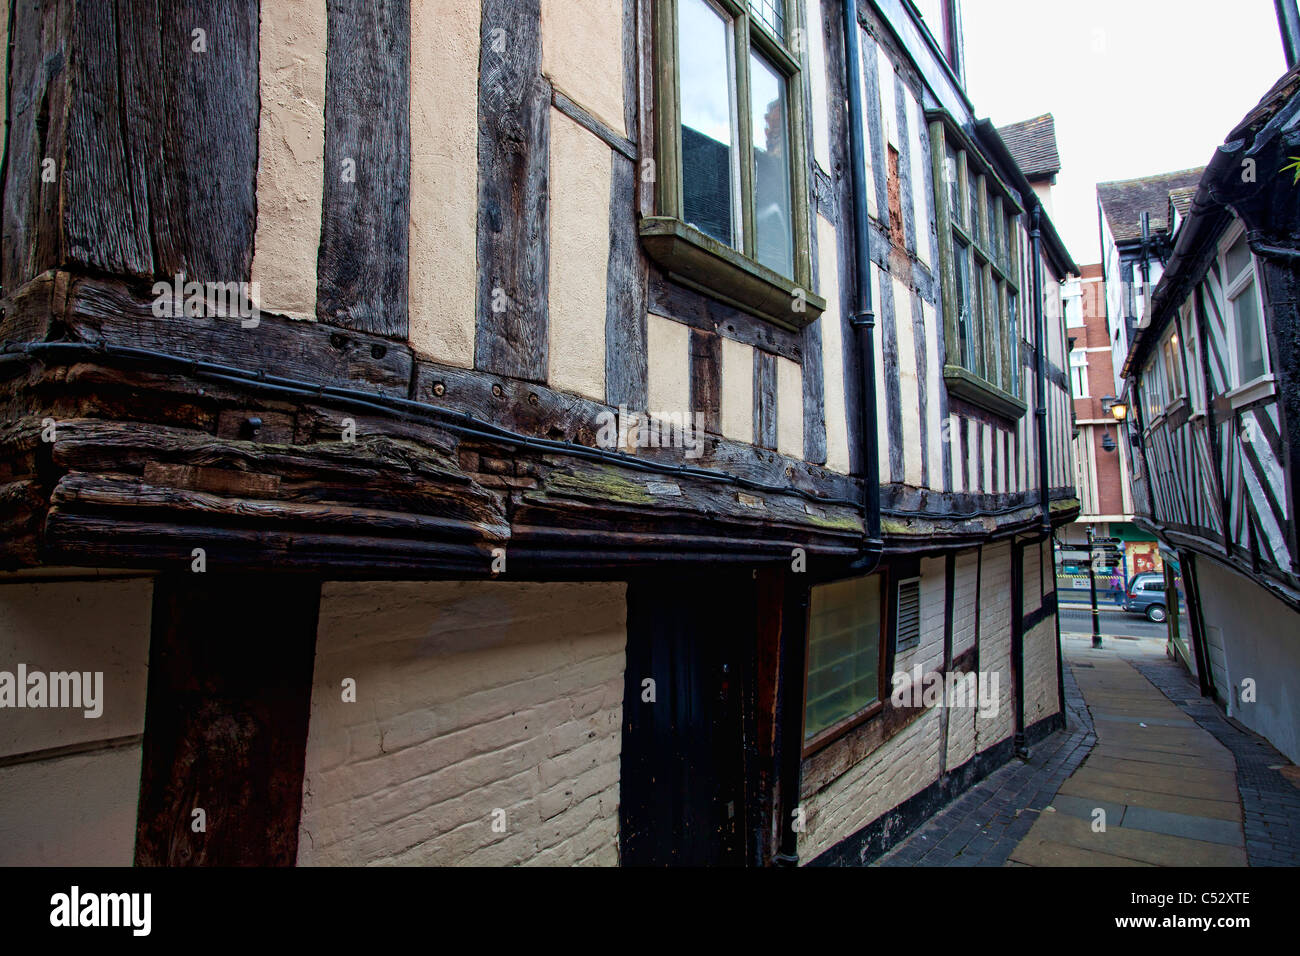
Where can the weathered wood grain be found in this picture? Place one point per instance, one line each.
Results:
(146, 115)
(226, 719)
(706, 378)
(101, 310)
(363, 264)
(765, 417)
(39, 90)
(584, 118)
(513, 192)
(626, 362)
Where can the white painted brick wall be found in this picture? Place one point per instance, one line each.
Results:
(963, 608)
(961, 735)
(1042, 699)
(904, 766)
(471, 697)
(995, 643)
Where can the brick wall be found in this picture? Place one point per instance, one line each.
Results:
(904, 766)
(1041, 696)
(471, 697)
(912, 759)
(995, 644)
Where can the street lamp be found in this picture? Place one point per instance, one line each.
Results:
(1119, 411)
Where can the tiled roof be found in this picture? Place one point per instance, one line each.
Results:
(1124, 201)
(1033, 144)
(1181, 199)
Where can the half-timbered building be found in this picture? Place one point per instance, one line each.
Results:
(517, 431)
(1216, 409)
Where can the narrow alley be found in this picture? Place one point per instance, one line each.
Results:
(1147, 773)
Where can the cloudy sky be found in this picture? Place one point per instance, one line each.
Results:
(1137, 87)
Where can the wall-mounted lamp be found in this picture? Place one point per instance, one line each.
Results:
(1108, 443)
(1120, 411)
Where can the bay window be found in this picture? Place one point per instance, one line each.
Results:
(731, 179)
(980, 261)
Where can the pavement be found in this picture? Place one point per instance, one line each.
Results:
(1146, 773)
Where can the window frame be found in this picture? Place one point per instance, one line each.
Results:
(991, 378)
(1081, 368)
(829, 735)
(733, 275)
(1191, 333)
(1233, 289)
(1171, 360)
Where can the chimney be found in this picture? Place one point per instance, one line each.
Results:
(1288, 18)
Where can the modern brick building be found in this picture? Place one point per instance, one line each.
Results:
(1100, 452)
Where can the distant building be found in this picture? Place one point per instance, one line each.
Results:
(1133, 254)
(1101, 456)
(1101, 465)
(1033, 143)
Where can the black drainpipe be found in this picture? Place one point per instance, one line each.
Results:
(862, 318)
(1288, 18)
(1040, 366)
(1044, 493)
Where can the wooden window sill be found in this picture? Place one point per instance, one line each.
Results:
(969, 387)
(706, 265)
(838, 730)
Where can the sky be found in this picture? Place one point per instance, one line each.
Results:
(1138, 87)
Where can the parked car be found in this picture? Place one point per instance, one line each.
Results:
(1146, 595)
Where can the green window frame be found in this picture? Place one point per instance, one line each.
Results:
(979, 258)
(844, 680)
(761, 54)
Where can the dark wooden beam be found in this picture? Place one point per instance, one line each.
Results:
(765, 414)
(363, 264)
(229, 694)
(513, 192)
(706, 378)
(626, 363)
(132, 132)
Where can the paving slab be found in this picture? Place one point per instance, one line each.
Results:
(1187, 770)
(1145, 846)
(1207, 829)
(1034, 852)
(1083, 808)
(1218, 809)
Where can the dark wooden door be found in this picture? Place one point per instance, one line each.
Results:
(682, 791)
